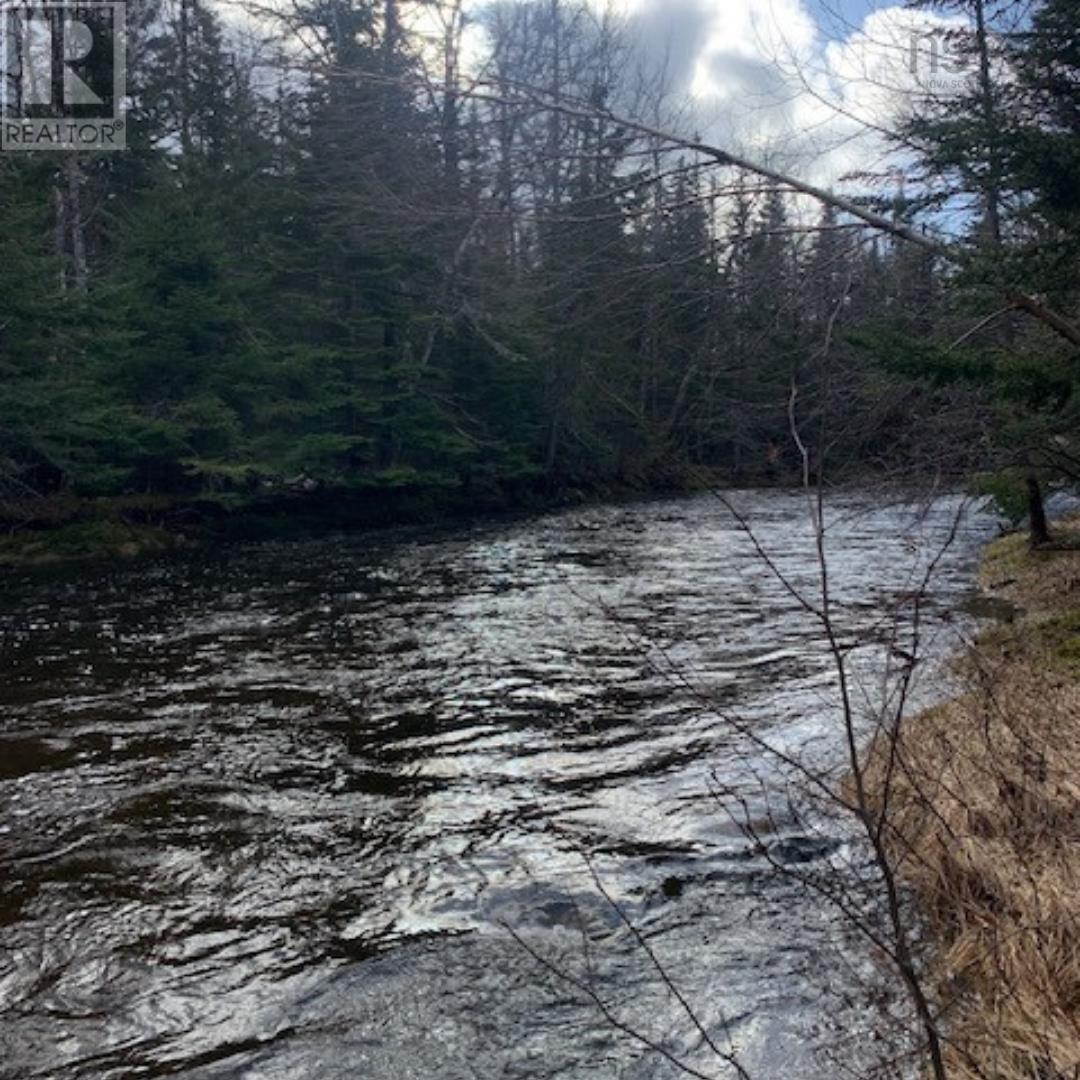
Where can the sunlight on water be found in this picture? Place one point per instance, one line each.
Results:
(268, 814)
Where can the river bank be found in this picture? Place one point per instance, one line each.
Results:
(983, 813)
(73, 529)
(66, 528)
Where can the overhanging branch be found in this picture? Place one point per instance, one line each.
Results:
(521, 95)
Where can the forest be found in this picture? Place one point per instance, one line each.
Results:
(351, 262)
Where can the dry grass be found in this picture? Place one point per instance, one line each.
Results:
(984, 816)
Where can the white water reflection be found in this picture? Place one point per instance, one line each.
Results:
(267, 813)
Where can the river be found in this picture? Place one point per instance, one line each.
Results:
(333, 809)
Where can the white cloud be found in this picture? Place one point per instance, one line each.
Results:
(783, 79)
(771, 78)
(746, 33)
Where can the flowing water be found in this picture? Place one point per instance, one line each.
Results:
(334, 809)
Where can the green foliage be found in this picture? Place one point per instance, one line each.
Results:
(1008, 492)
(340, 285)
(922, 359)
(84, 540)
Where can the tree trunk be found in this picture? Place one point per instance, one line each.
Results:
(450, 118)
(388, 444)
(1040, 531)
(989, 115)
(75, 222)
(60, 230)
(551, 453)
(185, 77)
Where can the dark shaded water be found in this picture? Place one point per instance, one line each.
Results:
(269, 814)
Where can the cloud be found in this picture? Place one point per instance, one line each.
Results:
(783, 80)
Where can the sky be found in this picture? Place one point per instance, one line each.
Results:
(807, 84)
